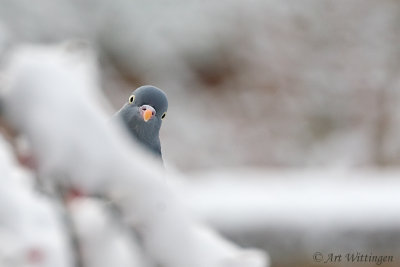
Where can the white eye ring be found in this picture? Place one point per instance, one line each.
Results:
(163, 115)
(131, 99)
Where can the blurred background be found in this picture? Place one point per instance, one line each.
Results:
(252, 85)
(261, 83)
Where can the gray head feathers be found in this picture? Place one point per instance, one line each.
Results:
(143, 113)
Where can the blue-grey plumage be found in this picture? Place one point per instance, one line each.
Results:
(143, 113)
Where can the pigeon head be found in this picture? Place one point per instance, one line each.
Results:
(143, 114)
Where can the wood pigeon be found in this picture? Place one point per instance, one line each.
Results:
(143, 114)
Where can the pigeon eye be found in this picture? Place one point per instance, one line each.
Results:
(131, 99)
(163, 115)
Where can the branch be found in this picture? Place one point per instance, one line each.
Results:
(53, 99)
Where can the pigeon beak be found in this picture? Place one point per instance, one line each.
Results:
(147, 112)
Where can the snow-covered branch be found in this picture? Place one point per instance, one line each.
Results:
(52, 98)
(327, 199)
(31, 233)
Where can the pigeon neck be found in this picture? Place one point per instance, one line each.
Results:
(153, 145)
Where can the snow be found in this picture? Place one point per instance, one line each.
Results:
(31, 230)
(325, 199)
(103, 241)
(53, 100)
(293, 213)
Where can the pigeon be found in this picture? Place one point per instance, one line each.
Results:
(143, 114)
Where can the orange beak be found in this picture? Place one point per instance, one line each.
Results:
(147, 114)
